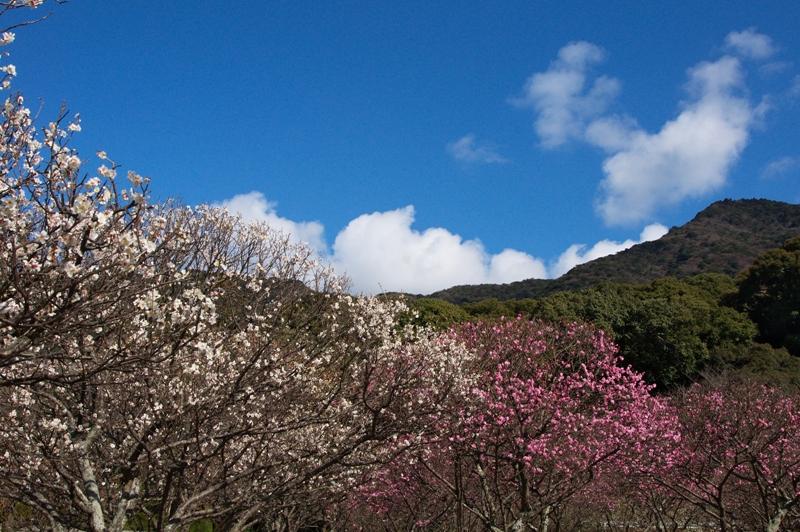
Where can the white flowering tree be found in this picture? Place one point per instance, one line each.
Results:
(163, 365)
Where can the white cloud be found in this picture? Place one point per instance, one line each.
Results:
(579, 253)
(652, 232)
(691, 154)
(511, 265)
(382, 252)
(254, 207)
(468, 149)
(688, 156)
(612, 133)
(750, 44)
(780, 167)
(560, 95)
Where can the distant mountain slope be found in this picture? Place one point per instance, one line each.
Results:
(725, 237)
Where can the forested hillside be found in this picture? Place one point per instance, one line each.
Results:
(726, 237)
(675, 329)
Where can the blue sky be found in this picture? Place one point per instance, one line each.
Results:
(423, 144)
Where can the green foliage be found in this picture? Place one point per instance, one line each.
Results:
(15, 515)
(770, 294)
(437, 313)
(139, 522)
(488, 308)
(759, 361)
(204, 525)
(716, 285)
(667, 329)
(674, 329)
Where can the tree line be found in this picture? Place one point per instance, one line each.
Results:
(675, 330)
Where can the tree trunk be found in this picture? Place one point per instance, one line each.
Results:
(545, 519)
(92, 494)
(130, 493)
(774, 523)
(522, 522)
(89, 493)
(459, 496)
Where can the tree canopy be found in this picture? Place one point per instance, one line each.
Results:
(769, 292)
(674, 330)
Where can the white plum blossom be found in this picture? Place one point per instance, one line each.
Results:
(171, 364)
(73, 163)
(135, 178)
(147, 345)
(108, 173)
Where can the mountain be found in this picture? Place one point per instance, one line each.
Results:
(725, 237)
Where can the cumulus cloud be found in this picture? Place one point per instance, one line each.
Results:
(563, 99)
(254, 207)
(612, 133)
(511, 265)
(652, 232)
(780, 167)
(690, 156)
(580, 253)
(467, 149)
(382, 252)
(750, 44)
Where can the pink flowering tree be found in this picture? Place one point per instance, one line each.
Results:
(550, 412)
(738, 461)
(630, 498)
